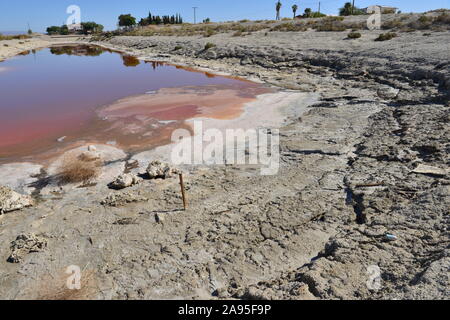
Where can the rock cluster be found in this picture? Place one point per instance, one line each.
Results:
(124, 181)
(161, 170)
(25, 244)
(120, 199)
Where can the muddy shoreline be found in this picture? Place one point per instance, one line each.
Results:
(128, 122)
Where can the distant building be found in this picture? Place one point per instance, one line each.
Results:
(74, 28)
(383, 9)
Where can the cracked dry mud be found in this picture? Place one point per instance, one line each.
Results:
(346, 183)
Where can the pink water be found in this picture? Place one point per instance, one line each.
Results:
(71, 91)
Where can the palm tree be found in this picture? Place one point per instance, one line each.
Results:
(308, 13)
(346, 10)
(278, 8)
(294, 9)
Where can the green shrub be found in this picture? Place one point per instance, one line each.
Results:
(209, 32)
(15, 37)
(392, 24)
(330, 26)
(424, 19)
(209, 45)
(333, 24)
(443, 18)
(334, 18)
(386, 36)
(177, 48)
(354, 35)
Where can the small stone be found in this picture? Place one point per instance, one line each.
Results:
(388, 93)
(92, 148)
(390, 237)
(159, 217)
(61, 139)
(222, 293)
(246, 61)
(161, 170)
(125, 221)
(120, 199)
(89, 156)
(124, 181)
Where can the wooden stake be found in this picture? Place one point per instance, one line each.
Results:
(183, 192)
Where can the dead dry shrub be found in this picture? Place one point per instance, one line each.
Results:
(392, 24)
(289, 27)
(354, 35)
(207, 30)
(14, 37)
(386, 36)
(332, 26)
(79, 168)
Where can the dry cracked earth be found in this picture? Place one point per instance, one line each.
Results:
(364, 181)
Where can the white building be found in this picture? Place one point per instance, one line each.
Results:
(383, 9)
(75, 27)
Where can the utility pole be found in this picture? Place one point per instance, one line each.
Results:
(319, 7)
(353, 7)
(195, 14)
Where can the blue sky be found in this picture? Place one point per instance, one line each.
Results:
(15, 14)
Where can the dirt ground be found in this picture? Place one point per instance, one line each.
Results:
(359, 121)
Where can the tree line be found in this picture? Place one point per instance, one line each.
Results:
(174, 19)
(308, 13)
(128, 21)
(85, 28)
(349, 9)
(125, 20)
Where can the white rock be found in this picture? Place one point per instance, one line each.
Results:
(124, 181)
(11, 200)
(90, 156)
(388, 93)
(424, 169)
(24, 244)
(161, 170)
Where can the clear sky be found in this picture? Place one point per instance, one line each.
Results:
(15, 14)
